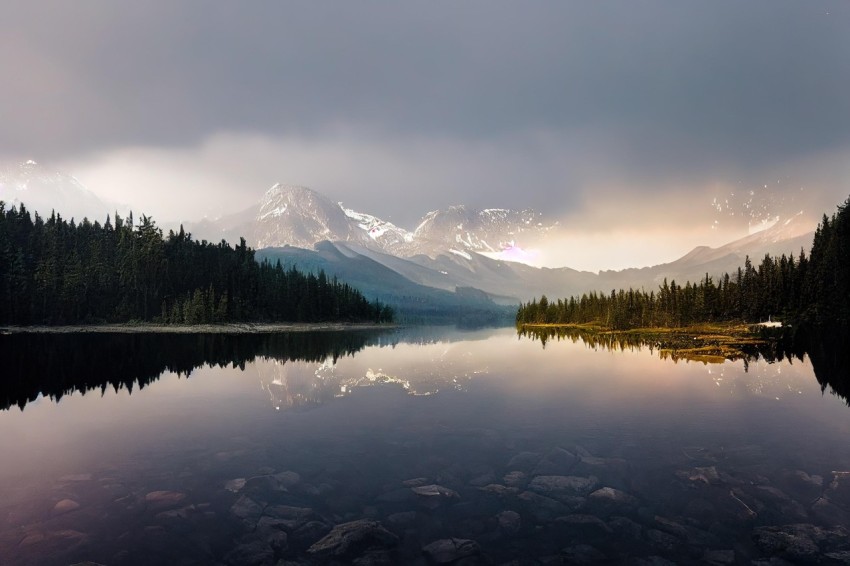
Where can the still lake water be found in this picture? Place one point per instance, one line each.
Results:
(412, 446)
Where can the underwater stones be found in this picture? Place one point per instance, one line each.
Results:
(802, 485)
(499, 489)
(718, 557)
(586, 526)
(509, 521)
(278, 541)
(545, 509)
(515, 478)
(402, 518)
(625, 528)
(742, 511)
(556, 462)
(433, 495)
(792, 541)
(563, 488)
(181, 513)
(163, 499)
(65, 506)
(254, 552)
(661, 540)
(706, 475)
(287, 479)
(828, 513)
(483, 479)
(308, 533)
(349, 539)
(399, 495)
(611, 496)
(263, 484)
(71, 478)
(248, 510)
(524, 461)
(800, 541)
(448, 550)
(415, 482)
(290, 518)
(235, 485)
(838, 490)
(582, 554)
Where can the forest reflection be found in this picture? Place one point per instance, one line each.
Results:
(825, 347)
(54, 365)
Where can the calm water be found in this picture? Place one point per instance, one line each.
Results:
(413, 446)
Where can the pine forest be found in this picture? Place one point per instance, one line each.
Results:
(55, 272)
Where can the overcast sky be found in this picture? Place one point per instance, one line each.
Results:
(622, 120)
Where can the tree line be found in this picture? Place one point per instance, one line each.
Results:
(57, 272)
(813, 290)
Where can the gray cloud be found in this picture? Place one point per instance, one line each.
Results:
(554, 102)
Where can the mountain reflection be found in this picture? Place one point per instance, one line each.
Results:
(826, 348)
(54, 365)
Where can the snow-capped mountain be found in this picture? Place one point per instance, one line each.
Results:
(464, 229)
(44, 190)
(301, 217)
(387, 235)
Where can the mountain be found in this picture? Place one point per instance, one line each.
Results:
(412, 301)
(44, 190)
(435, 284)
(465, 229)
(440, 268)
(301, 217)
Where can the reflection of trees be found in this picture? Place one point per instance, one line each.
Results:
(828, 349)
(668, 345)
(57, 364)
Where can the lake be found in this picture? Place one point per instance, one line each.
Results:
(416, 446)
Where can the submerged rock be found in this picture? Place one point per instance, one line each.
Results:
(839, 488)
(588, 526)
(65, 506)
(556, 462)
(609, 495)
(162, 499)
(434, 490)
(582, 554)
(563, 488)
(800, 541)
(235, 485)
(349, 539)
(448, 550)
(509, 521)
(545, 509)
(253, 552)
(718, 557)
(524, 461)
(287, 479)
(801, 485)
(248, 510)
(515, 478)
(707, 475)
(499, 489)
(433, 495)
(403, 518)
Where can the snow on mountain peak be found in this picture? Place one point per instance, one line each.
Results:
(43, 190)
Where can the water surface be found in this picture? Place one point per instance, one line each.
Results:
(413, 446)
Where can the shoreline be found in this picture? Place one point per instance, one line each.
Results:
(707, 343)
(227, 328)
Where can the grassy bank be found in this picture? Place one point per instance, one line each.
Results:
(707, 343)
